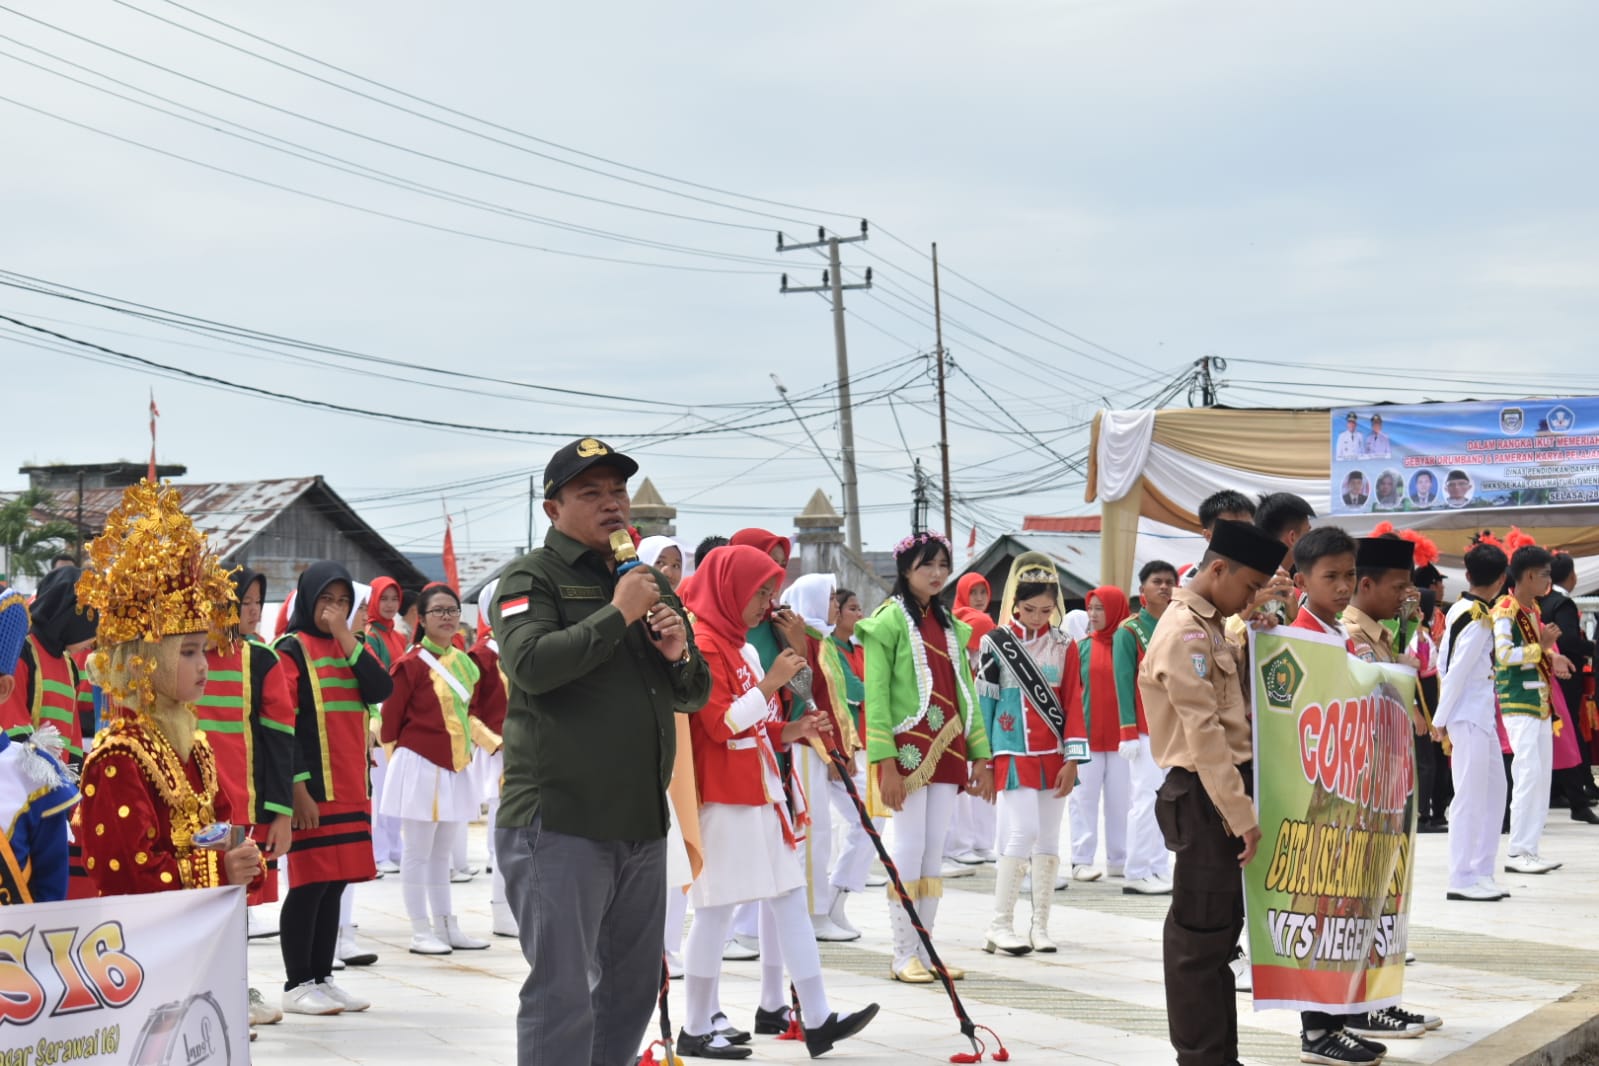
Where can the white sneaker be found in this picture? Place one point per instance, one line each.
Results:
(953, 869)
(262, 1012)
(428, 944)
(310, 999)
(1528, 864)
(344, 998)
(1243, 976)
(1084, 872)
(988, 855)
(338, 963)
(1548, 862)
(840, 919)
(737, 950)
(350, 953)
(969, 857)
(448, 929)
(1476, 893)
(1494, 886)
(503, 920)
(460, 877)
(826, 931)
(1115, 871)
(388, 866)
(1147, 886)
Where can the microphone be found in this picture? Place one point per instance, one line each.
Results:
(627, 559)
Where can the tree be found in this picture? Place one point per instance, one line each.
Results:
(29, 544)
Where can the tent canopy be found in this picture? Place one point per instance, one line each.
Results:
(1149, 471)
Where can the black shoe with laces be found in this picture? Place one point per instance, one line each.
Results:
(1428, 1022)
(1335, 1048)
(1389, 1024)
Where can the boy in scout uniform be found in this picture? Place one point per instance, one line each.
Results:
(1199, 729)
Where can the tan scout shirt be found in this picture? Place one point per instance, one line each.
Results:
(1194, 702)
(1372, 641)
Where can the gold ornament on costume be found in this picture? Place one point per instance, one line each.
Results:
(151, 575)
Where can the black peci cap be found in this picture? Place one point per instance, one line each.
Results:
(1246, 545)
(577, 457)
(1384, 553)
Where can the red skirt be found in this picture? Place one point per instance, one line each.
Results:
(1027, 771)
(339, 849)
(267, 891)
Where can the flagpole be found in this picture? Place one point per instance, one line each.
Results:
(155, 413)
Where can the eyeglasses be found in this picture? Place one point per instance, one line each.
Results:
(445, 612)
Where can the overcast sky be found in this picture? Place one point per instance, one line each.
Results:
(1403, 190)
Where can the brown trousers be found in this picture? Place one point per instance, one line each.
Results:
(1203, 924)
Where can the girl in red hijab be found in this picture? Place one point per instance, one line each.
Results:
(1106, 775)
(972, 596)
(747, 831)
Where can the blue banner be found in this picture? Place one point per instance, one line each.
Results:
(1443, 456)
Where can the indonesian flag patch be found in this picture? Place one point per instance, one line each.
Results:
(512, 608)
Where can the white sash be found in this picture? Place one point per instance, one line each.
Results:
(449, 678)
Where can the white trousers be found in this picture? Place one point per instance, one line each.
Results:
(385, 827)
(702, 958)
(1106, 777)
(1146, 847)
(1478, 769)
(855, 857)
(824, 796)
(918, 853)
(1532, 740)
(974, 827)
(1029, 822)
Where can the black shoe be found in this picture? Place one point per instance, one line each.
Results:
(1380, 1050)
(722, 1026)
(771, 1022)
(1584, 814)
(1386, 1023)
(1430, 826)
(1336, 1047)
(699, 1047)
(360, 958)
(1558, 801)
(820, 1041)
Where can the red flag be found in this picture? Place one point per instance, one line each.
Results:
(155, 413)
(971, 545)
(452, 578)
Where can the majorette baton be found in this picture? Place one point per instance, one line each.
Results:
(801, 686)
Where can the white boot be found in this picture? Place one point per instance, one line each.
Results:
(448, 929)
(504, 919)
(836, 913)
(1001, 935)
(423, 942)
(1044, 867)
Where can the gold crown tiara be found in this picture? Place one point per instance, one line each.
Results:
(1038, 575)
(151, 575)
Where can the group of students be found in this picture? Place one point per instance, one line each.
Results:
(202, 724)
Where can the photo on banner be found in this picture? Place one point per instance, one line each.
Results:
(1451, 456)
(153, 980)
(1327, 896)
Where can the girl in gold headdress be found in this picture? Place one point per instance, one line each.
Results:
(150, 781)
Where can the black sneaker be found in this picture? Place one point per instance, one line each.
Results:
(1335, 1048)
(1380, 1050)
(1428, 1022)
(1387, 1024)
(771, 1022)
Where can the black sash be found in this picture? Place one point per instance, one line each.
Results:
(1037, 690)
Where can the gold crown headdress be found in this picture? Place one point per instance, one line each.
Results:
(151, 575)
(1031, 568)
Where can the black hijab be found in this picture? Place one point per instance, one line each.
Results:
(243, 578)
(56, 621)
(313, 582)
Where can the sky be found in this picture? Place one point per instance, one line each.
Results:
(1349, 204)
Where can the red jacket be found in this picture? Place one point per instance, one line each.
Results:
(728, 763)
(415, 718)
(489, 698)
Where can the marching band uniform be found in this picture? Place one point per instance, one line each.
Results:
(46, 677)
(1148, 869)
(1028, 687)
(386, 642)
(1466, 706)
(36, 794)
(1108, 775)
(1521, 681)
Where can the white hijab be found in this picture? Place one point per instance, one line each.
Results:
(1076, 624)
(650, 549)
(485, 600)
(363, 594)
(811, 597)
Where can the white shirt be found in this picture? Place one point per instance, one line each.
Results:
(1349, 443)
(1466, 672)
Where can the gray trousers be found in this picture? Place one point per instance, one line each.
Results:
(590, 914)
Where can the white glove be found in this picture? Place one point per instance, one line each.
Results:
(1130, 749)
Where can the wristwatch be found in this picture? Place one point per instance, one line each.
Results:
(688, 657)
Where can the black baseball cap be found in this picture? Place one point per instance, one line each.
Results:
(577, 457)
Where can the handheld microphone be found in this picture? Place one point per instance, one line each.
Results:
(627, 559)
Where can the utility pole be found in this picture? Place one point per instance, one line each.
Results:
(1203, 382)
(833, 283)
(532, 494)
(943, 422)
(919, 502)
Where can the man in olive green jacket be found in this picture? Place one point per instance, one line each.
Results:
(596, 666)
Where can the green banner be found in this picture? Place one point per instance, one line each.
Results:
(1327, 895)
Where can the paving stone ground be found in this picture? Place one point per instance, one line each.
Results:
(1100, 1000)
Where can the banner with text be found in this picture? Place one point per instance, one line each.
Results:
(154, 980)
(1327, 897)
(1444, 456)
